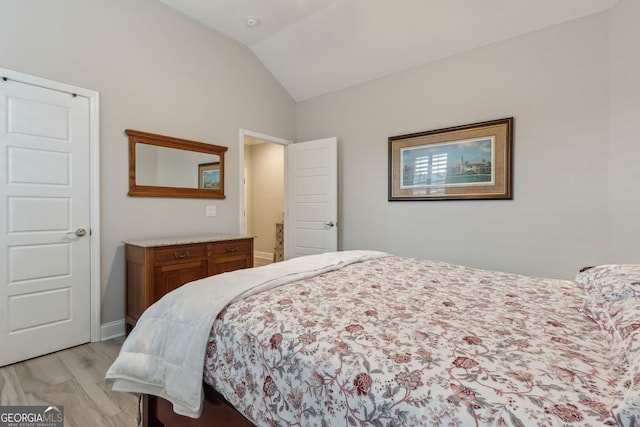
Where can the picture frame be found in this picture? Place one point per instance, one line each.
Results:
(209, 176)
(467, 162)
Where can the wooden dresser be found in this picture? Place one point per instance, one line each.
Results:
(279, 250)
(155, 267)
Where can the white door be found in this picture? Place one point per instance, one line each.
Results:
(45, 250)
(311, 223)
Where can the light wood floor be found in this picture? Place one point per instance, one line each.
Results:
(257, 262)
(72, 378)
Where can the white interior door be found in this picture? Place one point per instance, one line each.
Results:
(311, 216)
(45, 211)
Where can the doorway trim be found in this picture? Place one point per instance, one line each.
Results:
(94, 198)
(241, 185)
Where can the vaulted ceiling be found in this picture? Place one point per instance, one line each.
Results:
(314, 47)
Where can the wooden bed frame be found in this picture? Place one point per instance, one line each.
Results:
(216, 411)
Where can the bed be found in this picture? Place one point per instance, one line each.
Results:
(361, 338)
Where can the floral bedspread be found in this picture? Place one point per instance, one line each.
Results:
(403, 342)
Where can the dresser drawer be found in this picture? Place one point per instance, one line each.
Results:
(154, 268)
(180, 253)
(232, 247)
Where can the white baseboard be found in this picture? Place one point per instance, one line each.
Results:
(263, 255)
(112, 330)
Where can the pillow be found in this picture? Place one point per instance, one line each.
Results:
(625, 324)
(613, 282)
(612, 295)
(612, 300)
(624, 318)
(626, 406)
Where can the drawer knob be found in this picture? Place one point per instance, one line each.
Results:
(232, 249)
(184, 255)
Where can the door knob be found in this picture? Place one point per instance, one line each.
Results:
(79, 232)
(329, 224)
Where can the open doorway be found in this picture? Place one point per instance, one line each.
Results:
(263, 188)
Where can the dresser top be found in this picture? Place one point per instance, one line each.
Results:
(170, 241)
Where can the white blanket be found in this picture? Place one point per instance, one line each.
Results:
(164, 354)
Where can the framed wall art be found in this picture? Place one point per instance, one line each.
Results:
(465, 162)
(209, 176)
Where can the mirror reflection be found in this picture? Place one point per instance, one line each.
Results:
(171, 167)
(164, 166)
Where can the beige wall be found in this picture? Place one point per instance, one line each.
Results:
(248, 206)
(555, 82)
(624, 134)
(156, 71)
(266, 195)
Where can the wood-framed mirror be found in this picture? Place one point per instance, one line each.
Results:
(164, 166)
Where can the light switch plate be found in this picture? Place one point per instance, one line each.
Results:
(211, 211)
